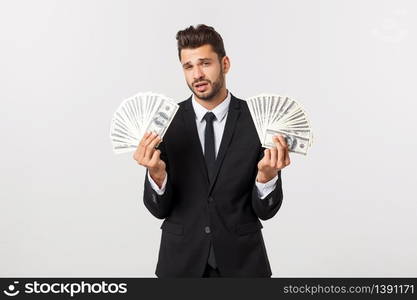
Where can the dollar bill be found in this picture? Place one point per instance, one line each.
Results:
(137, 114)
(162, 117)
(296, 143)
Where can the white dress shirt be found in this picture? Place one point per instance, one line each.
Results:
(220, 111)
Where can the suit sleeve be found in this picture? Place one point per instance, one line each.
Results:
(268, 206)
(159, 206)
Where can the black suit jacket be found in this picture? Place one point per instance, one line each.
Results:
(225, 209)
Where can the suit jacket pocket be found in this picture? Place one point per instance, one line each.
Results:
(242, 229)
(174, 228)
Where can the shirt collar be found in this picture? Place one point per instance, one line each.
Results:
(219, 111)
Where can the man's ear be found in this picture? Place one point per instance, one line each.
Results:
(225, 64)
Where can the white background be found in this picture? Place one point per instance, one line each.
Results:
(70, 207)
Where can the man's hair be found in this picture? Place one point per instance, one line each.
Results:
(194, 37)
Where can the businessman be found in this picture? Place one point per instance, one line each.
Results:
(209, 178)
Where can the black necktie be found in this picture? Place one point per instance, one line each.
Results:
(210, 156)
(209, 151)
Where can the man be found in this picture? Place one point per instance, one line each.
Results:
(210, 178)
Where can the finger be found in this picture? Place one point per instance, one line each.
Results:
(286, 150)
(287, 157)
(140, 151)
(267, 157)
(137, 155)
(281, 153)
(276, 141)
(282, 140)
(273, 160)
(155, 141)
(155, 158)
(146, 152)
(145, 138)
(149, 139)
(150, 147)
(160, 141)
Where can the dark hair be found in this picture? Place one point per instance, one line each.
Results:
(194, 37)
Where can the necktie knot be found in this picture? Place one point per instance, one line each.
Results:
(209, 117)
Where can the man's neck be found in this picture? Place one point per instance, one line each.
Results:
(209, 105)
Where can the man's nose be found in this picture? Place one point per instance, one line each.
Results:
(198, 73)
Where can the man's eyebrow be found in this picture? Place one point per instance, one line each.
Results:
(200, 59)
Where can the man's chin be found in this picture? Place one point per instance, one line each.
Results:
(206, 95)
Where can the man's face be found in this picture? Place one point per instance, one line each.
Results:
(203, 71)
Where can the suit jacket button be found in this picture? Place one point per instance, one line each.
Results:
(207, 229)
(210, 199)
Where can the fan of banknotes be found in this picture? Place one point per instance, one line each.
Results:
(280, 115)
(137, 115)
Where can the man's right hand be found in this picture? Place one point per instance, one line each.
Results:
(146, 155)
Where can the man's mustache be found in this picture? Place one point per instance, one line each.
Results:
(199, 82)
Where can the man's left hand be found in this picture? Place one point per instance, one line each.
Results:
(274, 160)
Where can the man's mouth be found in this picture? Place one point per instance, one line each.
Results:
(201, 86)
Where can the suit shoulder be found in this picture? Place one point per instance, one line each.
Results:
(182, 105)
(183, 102)
(243, 104)
(240, 101)
(181, 108)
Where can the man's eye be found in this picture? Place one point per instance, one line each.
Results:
(187, 67)
(206, 63)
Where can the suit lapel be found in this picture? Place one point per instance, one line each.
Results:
(229, 129)
(191, 128)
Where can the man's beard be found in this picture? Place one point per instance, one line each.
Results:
(216, 87)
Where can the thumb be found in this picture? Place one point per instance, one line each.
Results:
(266, 158)
(267, 155)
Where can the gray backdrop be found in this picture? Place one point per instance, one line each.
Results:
(70, 207)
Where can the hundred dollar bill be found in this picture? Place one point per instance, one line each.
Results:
(162, 117)
(296, 143)
(303, 133)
